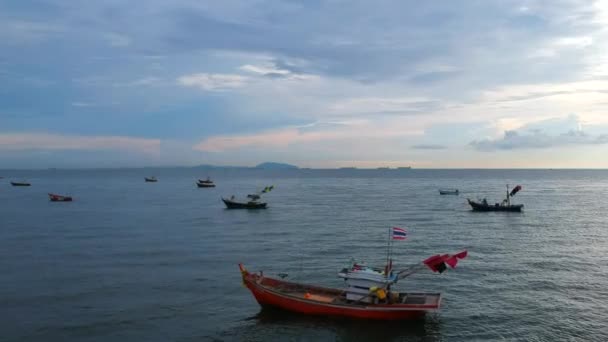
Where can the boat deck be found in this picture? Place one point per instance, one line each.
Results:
(335, 296)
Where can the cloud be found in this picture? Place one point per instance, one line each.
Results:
(141, 82)
(275, 70)
(429, 147)
(265, 70)
(578, 90)
(213, 82)
(281, 138)
(385, 105)
(343, 134)
(514, 140)
(46, 141)
(19, 31)
(117, 39)
(395, 67)
(82, 104)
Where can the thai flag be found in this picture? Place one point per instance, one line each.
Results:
(399, 233)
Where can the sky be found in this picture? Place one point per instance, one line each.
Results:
(438, 84)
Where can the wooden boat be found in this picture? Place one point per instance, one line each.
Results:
(378, 302)
(252, 202)
(151, 179)
(505, 205)
(208, 183)
(484, 206)
(60, 198)
(449, 191)
(20, 184)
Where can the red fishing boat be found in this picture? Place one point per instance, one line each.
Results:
(60, 198)
(368, 294)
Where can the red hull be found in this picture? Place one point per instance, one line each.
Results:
(59, 198)
(267, 292)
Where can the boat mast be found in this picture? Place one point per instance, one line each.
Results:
(508, 197)
(388, 252)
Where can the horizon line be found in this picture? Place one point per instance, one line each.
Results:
(350, 168)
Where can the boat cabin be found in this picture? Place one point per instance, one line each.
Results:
(366, 284)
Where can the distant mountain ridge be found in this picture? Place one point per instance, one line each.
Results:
(274, 165)
(265, 165)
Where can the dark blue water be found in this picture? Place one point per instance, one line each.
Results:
(130, 260)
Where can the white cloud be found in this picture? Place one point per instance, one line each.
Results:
(266, 69)
(213, 82)
(47, 141)
(537, 139)
(577, 42)
(82, 104)
(384, 105)
(144, 81)
(553, 132)
(337, 133)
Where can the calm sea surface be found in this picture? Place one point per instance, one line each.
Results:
(137, 261)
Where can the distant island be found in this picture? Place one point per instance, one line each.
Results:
(273, 165)
(265, 165)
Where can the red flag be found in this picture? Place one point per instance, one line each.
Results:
(432, 260)
(436, 263)
(452, 261)
(462, 254)
(515, 190)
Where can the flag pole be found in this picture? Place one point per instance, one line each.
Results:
(388, 249)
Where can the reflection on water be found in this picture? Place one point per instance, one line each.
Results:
(272, 323)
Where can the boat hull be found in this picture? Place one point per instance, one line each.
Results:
(243, 205)
(263, 290)
(444, 192)
(151, 180)
(205, 185)
(59, 198)
(482, 207)
(20, 184)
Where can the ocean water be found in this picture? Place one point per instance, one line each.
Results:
(129, 260)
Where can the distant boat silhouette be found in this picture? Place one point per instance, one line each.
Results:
(252, 202)
(208, 183)
(505, 205)
(151, 179)
(60, 198)
(20, 184)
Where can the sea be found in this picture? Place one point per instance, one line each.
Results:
(136, 261)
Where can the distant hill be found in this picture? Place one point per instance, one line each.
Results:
(272, 165)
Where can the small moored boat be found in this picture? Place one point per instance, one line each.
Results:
(60, 198)
(368, 294)
(208, 183)
(20, 184)
(505, 205)
(449, 191)
(252, 202)
(151, 179)
(485, 206)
